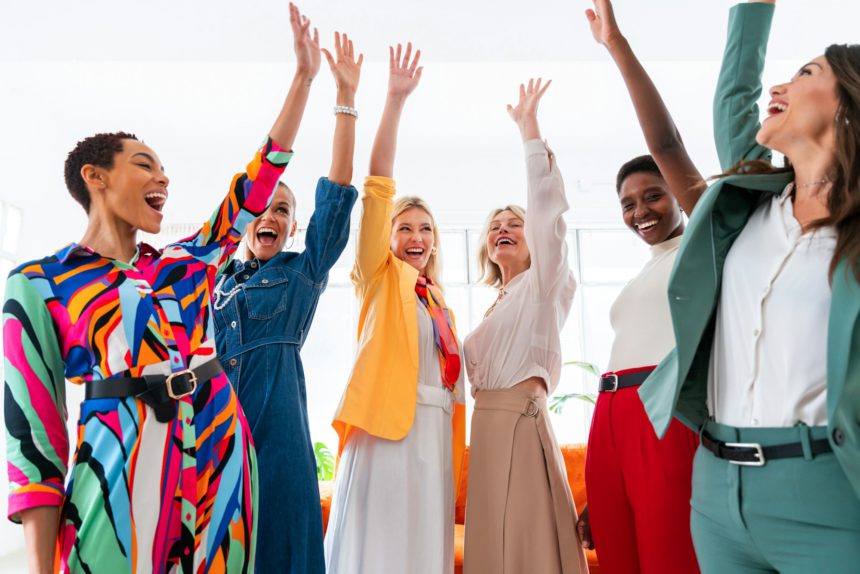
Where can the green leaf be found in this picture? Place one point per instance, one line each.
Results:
(588, 367)
(558, 402)
(325, 461)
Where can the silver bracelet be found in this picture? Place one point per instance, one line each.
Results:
(346, 110)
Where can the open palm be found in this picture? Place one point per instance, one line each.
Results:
(346, 69)
(602, 21)
(530, 97)
(307, 47)
(403, 76)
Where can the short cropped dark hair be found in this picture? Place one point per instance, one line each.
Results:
(642, 163)
(98, 150)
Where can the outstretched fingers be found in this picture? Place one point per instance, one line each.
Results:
(414, 67)
(541, 92)
(407, 55)
(329, 58)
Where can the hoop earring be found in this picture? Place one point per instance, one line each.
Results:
(292, 241)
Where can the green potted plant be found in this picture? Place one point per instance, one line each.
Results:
(325, 461)
(558, 402)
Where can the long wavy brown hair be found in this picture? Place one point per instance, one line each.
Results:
(843, 201)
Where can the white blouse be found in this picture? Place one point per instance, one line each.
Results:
(769, 360)
(520, 338)
(640, 315)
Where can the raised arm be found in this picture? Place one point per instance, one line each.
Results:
(251, 191)
(328, 228)
(403, 77)
(307, 51)
(372, 248)
(545, 228)
(346, 70)
(661, 135)
(736, 112)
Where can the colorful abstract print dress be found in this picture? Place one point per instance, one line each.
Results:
(142, 496)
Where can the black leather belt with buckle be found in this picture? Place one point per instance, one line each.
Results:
(753, 454)
(611, 382)
(158, 391)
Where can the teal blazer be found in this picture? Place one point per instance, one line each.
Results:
(678, 387)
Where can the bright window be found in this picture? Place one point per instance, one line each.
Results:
(10, 232)
(602, 259)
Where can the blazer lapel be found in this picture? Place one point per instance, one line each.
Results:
(844, 311)
(694, 287)
(718, 219)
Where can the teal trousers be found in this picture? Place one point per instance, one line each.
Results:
(792, 515)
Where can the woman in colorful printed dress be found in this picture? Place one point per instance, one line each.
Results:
(520, 515)
(263, 311)
(164, 473)
(400, 420)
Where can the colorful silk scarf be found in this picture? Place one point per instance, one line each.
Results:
(443, 330)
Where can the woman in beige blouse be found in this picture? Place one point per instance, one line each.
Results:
(520, 515)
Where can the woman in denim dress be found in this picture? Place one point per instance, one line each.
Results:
(263, 311)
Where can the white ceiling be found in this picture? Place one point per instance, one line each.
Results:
(201, 83)
(448, 30)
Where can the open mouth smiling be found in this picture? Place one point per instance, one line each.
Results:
(415, 252)
(645, 226)
(776, 108)
(156, 200)
(267, 236)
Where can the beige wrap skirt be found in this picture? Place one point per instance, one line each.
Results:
(520, 515)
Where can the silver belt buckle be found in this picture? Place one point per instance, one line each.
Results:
(758, 452)
(169, 383)
(614, 378)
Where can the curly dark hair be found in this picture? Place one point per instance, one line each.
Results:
(98, 150)
(642, 163)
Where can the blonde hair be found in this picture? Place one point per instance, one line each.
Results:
(491, 274)
(434, 263)
(433, 269)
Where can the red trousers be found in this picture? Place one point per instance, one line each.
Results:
(639, 489)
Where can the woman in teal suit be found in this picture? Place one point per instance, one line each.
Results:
(765, 302)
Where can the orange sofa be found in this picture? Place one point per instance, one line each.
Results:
(574, 461)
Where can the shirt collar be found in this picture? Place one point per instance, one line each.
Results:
(786, 193)
(666, 246)
(792, 226)
(73, 250)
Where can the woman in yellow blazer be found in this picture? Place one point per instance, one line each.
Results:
(401, 418)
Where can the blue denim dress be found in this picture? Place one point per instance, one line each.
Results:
(263, 311)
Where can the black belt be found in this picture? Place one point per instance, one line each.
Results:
(611, 382)
(158, 391)
(753, 454)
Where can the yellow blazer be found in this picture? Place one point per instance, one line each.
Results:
(381, 393)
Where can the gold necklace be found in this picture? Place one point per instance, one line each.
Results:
(498, 300)
(816, 182)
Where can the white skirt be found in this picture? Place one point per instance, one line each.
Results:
(392, 509)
